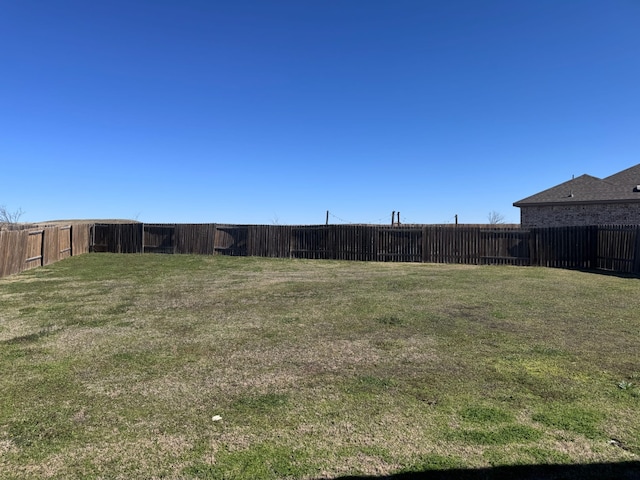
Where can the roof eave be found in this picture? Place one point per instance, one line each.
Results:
(574, 202)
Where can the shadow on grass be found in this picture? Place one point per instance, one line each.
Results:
(607, 273)
(621, 471)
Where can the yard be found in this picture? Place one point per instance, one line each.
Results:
(179, 366)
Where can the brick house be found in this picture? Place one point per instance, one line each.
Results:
(585, 200)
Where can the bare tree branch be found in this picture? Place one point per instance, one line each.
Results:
(495, 218)
(8, 218)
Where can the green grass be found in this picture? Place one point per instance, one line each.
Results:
(117, 366)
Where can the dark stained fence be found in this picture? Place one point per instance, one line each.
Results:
(564, 247)
(398, 244)
(454, 245)
(501, 247)
(195, 238)
(231, 240)
(313, 242)
(269, 241)
(354, 242)
(159, 239)
(618, 249)
(117, 237)
(595, 247)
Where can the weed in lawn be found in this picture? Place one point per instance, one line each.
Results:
(574, 419)
(287, 320)
(501, 436)
(367, 384)
(263, 461)
(390, 320)
(486, 415)
(625, 385)
(629, 388)
(540, 375)
(433, 461)
(258, 404)
(119, 308)
(41, 429)
(524, 455)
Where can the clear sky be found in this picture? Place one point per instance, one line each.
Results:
(275, 111)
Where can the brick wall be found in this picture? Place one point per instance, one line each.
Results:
(590, 214)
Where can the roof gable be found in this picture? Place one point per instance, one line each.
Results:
(620, 187)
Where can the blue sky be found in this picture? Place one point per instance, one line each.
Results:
(277, 111)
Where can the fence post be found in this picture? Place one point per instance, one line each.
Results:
(42, 247)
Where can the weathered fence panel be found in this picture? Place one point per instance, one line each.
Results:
(13, 251)
(50, 245)
(80, 239)
(34, 249)
(159, 239)
(231, 240)
(23, 249)
(64, 242)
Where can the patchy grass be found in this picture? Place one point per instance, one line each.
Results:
(123, 365)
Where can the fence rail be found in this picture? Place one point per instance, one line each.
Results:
(613, 248)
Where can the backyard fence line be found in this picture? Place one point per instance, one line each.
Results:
(612, 248)
(602, 247)
(23, 249)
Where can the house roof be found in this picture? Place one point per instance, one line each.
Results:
(618, 188)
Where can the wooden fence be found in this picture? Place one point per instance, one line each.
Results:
(613, 248)
(22, 249)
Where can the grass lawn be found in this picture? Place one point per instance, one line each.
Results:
(169, 366)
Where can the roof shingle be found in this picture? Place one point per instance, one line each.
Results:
(620, 187)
